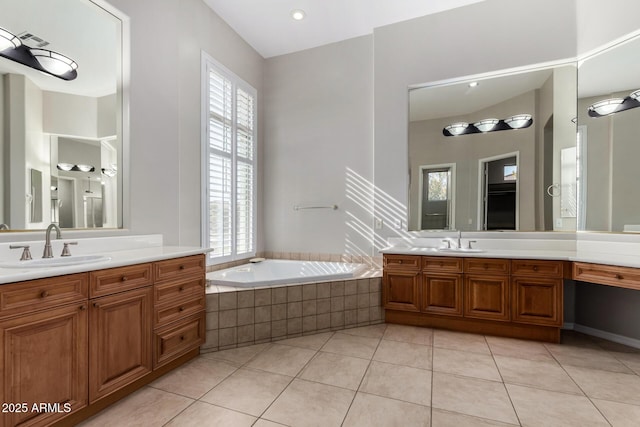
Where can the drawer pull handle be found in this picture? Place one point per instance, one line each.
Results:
(399, 261)
(181, 337)
(44, 294)
(535, 268)
(181, 309)
(182, 267)
(96, 305)
(619, 276)
(124, 278)
(181, 288)
(83, 307)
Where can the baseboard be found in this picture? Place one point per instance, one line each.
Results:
(620, 339)
(568, 326)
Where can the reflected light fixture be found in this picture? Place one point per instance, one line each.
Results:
(635, 95)
(607, 106)
(53, 62)
(298, 14)
(473, 84)
(8, 40)
(457, 128)
(65, 166)
(518, 121)
(68, 167)
(109, 172)
(46, 61)
(486, 125)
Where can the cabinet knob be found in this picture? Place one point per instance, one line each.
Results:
(96, 305)
(181, 309)
(399, 261)
(44, 294)
(182, 267)
(83, 307)
(181, 288)
(619, 276)
(181, 337)
(535, 268)
(124, 278)
(486, 266)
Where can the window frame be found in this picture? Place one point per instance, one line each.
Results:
(210, 64)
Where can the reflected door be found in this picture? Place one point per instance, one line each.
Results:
(437, 197)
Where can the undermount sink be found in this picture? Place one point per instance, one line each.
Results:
(54, 262)
(461, 250)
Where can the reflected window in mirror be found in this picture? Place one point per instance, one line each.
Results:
(78, 122)
(544, 99)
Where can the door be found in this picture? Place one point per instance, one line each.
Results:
(401, 290)
(442, 293)
(44, 360)
(486, 297)
(437, 207)
(499, 187)
(120, 344)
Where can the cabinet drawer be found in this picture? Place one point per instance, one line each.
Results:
(402, 262)
(106, 282)
(526, 267)
(624, 277)
(178, 338)
(439, 264)
(178, 268)
(36, 295)
(486, 266)
(177, 310)
(178, 290)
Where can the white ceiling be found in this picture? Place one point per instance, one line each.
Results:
(459, 99)
(268, 27)
(77, 29)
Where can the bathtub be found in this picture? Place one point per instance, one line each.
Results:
(273, 272)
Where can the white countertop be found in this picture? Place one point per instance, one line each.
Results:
(489, 253)
(120, 251)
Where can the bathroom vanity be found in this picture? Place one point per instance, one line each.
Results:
(81, 341)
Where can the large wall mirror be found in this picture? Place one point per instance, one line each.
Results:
(608, 139)
(495, 153)
(62, 141)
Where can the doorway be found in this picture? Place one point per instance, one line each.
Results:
(498, 187)
(437, 199)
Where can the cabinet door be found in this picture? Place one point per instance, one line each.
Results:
(442, 293)
(400, 290)
(537, 300)
(486, 297)
(44, 360)
(120, 344)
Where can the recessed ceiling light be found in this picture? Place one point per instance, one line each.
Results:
(298, 14)
(473, 84)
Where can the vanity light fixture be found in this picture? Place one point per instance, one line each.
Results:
(298, 14)
(473, 84)
(8, 40)
(518, 121)
(607, 106)
(109, 172)
(486, 125)
(47, 61)
(456, 129)
(68, 167)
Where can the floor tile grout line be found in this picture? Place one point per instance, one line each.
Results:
(493, 357)
(178, 414)
(355, 394)
(292, 380)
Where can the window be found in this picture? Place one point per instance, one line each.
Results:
(229, 156)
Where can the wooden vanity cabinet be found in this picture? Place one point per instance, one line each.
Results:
(537, 292)
(43, 357)
(401, 282)
(120, 340)
(441, 290)
(486, 289)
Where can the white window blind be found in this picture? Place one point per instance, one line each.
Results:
(230, 153)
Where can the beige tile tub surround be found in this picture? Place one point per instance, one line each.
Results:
(237, 318)
(315, 380)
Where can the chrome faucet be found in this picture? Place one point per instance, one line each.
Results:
(459, 239)
(4, 226)
(48, 253)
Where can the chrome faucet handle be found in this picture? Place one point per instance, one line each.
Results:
(448, 242)
(26, 253)
(469, 243)
(65, 249)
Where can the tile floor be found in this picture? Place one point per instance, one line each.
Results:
(391, 375)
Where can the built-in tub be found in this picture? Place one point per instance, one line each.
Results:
(280, 272)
